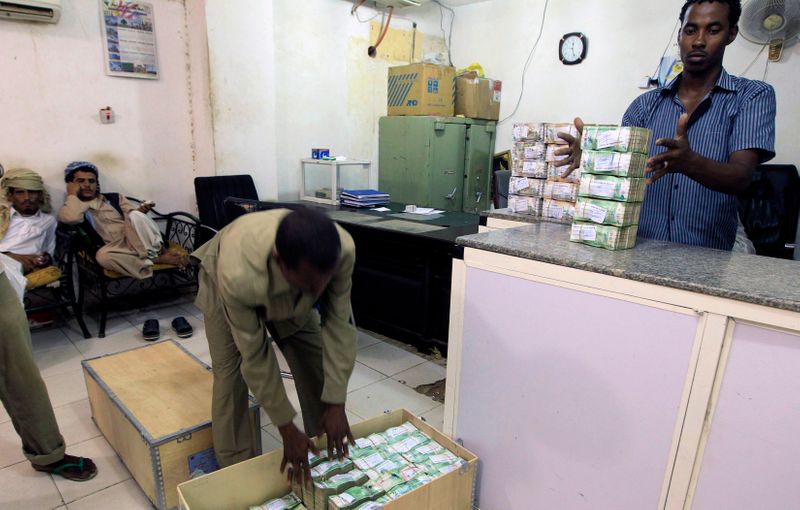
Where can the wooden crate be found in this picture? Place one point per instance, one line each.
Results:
(153, 404)
(256, 480)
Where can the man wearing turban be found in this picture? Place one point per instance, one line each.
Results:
(27, 232)
(133, 240)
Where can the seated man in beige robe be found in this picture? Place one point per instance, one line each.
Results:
(133, 242)
(27, 230)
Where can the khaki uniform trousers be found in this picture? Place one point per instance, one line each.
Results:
(234, 439)
(22, 389)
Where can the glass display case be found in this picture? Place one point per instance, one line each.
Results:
(323, 180)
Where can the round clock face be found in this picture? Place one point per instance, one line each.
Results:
(572, 48)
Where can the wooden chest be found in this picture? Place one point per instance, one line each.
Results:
(153, 404)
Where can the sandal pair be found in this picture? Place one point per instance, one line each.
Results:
(151, 330)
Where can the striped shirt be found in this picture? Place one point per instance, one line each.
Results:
(737, 114)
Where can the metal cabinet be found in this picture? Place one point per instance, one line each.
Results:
(440, 162)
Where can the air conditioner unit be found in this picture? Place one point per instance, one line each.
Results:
(400, 3)
(46, 11)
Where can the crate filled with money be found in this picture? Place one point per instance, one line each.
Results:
(397, 462)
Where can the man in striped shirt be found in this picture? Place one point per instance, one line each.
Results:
(710, 131)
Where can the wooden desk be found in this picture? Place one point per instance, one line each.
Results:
(401, 281)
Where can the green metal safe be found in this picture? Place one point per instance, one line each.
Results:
(440, 162)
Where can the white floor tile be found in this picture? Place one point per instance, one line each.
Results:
(197, 345)
(66, 388)
(424, 373)
(192, 309)
(282, 363)
(113, 343)
(435, 417)
(268, 441)
(110, 470)
(265, 419)
(58, 361)
(365, 339)
(353, 418)
(113, 325)
(75, 422)
(62, 508)
(122, 496)
(10, 446)
(22, 488)
(164, 314)
(387, 394)
(48, 338)
(73, 331)
(363, 376)
(388, 359)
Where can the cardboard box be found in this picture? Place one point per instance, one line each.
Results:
(254, 481)
(478, 98)
(421, 89)
(153, 405)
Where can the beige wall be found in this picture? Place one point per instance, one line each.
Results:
(54, 83)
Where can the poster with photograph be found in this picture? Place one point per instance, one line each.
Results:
(130, 39)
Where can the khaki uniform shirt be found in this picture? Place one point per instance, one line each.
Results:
(238, 268)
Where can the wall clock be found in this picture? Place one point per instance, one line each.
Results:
(572, 48)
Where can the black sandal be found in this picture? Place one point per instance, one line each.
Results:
(151, 330)
(77, 469)
(182, 327)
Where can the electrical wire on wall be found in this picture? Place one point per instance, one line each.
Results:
(373, 50)
(448, 40)
(354, 11)
(670, 42)
(528, 61)
(746, 69)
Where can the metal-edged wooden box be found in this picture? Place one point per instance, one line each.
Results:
(254, 481)
(153, 405)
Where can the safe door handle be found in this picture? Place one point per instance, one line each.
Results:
(452, 194)
(478, 196)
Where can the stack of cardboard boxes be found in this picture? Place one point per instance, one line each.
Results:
(612, 187)
(536, 186)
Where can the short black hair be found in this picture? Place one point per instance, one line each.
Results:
(69, 176)
(308, 234)
(734, 9)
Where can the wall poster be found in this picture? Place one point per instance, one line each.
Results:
(129, 39)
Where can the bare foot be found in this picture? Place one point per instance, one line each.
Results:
(173, 258)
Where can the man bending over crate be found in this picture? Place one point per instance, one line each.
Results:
(263, 275)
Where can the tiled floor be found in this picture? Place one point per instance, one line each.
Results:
(383, 378)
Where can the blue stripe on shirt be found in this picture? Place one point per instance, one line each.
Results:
(738, 114)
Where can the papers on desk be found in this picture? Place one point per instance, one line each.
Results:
(424, 211)
(382, 209)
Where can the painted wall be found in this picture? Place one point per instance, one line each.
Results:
(54, 84)
(626, 40)
(287, 76)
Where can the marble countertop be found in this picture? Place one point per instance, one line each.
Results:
(506, 214)
(754, 279)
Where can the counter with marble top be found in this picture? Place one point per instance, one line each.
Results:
(754, 279)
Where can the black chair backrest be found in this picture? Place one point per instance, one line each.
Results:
(235, 207)
(769, 209)
(212, 191)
